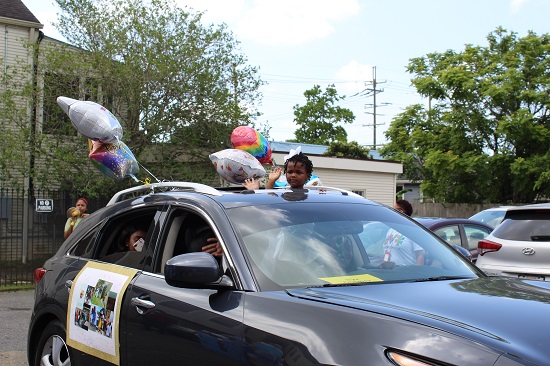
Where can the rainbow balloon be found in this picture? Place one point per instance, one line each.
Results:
(248, 139)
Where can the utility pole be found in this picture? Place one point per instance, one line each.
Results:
(373, 91)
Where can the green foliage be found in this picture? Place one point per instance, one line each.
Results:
(14, 134)
(399, 195)
(350, 150)
(177, 86)
(486, 137)
(319, 118)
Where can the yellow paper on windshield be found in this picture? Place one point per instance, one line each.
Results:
(351, 279)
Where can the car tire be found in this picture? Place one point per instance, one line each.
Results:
(52, 349)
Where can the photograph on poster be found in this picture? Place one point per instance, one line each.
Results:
(95, 312)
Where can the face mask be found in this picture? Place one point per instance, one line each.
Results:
(139, 245)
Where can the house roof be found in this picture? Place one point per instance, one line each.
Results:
(15, 9)
(309, 149)
(306, 148)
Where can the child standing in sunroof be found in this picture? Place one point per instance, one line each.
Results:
(298, 169)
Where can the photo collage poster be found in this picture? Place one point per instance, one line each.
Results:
(94, 309)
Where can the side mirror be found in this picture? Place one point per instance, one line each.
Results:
(195, 270)
(465, 252)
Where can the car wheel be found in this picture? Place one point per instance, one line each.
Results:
(52, 349)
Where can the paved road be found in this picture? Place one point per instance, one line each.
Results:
(15, 314)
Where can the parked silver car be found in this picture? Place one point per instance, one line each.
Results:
(520, 246)
(491, 216)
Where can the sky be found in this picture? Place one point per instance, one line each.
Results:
(297, 44)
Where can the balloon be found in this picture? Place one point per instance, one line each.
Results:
(91, 119)
(115, 159)
(235, 165)
(312, 182)
(248, 139)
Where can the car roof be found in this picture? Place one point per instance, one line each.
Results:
(534, 206)
(499, 208)
(235, 196)
(440, 221)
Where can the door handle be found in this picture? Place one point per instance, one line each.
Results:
(68, 285)
(141, 303)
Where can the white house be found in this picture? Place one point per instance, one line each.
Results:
(374, 179)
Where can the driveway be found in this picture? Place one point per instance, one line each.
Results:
(15, 314)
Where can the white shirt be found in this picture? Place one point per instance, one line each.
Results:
(402, 250)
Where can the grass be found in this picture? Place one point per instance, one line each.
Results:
(23, 287)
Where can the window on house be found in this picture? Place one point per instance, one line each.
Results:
(55, 120)
(359, 192)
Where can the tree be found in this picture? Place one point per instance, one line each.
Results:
(350, 150)
(177, 86)
(319, 118)
(486, 136)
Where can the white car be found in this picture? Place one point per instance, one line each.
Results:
(520, 245)
(491, 216)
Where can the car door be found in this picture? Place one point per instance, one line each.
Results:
(99, 246)
(170, 325)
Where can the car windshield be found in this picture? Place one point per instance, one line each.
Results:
(528, 225)
(326, 244)
(491, 218)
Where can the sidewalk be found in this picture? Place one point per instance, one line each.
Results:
(15, 313)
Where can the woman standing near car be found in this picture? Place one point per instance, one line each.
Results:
(75, 215)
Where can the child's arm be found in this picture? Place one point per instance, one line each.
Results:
(273, 176)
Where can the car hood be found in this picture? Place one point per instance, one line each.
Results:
(500, 312)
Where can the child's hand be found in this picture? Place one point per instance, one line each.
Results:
(251, 184)
(275, 174)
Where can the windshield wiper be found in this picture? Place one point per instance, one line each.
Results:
(339, 284)
(439, 278)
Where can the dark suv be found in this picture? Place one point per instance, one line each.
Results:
(299, 282)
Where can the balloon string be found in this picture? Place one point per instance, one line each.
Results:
(147, 179)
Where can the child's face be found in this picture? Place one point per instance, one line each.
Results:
(296, 174)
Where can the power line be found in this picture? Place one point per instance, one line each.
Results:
(372, 92)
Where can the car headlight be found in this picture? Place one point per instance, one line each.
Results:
(401, 359)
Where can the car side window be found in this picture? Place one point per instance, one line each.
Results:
(126, 239)
(85, 246)
(474, 235)
(451, 234)
(185, 232)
